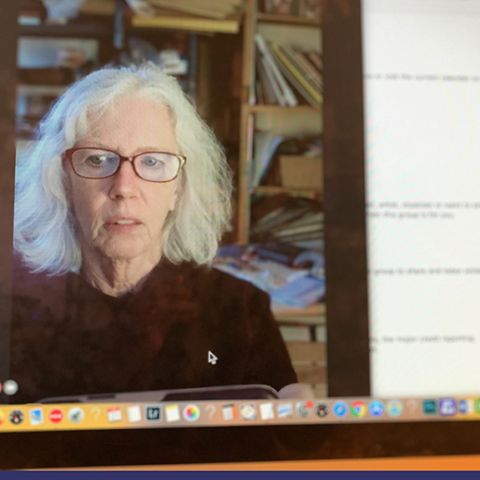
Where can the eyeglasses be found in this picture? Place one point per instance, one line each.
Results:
(97, 163)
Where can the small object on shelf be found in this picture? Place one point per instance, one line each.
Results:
(282, 7)
(60, 11)
(31, 12)
(299, 171)
(141, 8)
(71, 58)
(266, 144)
(310, 9)
(172, 63)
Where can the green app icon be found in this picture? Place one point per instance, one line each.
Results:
(477, 405)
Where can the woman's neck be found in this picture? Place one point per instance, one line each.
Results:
(115, 277)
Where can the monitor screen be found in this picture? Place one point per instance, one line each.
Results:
(268, 219)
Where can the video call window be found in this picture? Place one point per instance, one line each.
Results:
(143, 260)
(225, 210)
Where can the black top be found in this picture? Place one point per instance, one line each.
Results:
(68, 338)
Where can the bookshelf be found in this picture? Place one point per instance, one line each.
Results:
(303, 329)
(189, 23)
(286, 19)
(283, 29)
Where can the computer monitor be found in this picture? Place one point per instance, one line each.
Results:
(135, 320)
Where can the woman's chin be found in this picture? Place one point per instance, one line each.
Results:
(125, 250)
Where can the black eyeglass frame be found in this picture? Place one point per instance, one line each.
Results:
(69, 155)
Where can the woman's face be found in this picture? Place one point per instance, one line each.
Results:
(122, 217)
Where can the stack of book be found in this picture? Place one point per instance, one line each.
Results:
(265, 146)
(286, 75)
(284, 219)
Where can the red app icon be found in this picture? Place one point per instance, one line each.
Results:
(55, 415)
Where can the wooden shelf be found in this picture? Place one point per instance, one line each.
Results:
(192, 24)
(274, 190)
(54, 90)
(288, 20)
(278, 109)
(316, 310)
(67, 31)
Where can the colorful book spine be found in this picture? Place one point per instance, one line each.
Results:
(284, 58)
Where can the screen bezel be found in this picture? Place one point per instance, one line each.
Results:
(347, 299)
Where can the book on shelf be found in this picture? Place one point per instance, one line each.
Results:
(286, 94)
(298, 89)
(272, 81)
(316, 59)
(313, 77)
(266, 88)
(284, 55)
(309, 69)
(265, 145)
(286, 220)
(309, 222)
(288, 74)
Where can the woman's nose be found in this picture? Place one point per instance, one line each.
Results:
(124, 182)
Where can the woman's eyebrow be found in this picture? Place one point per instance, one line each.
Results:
(137, 151)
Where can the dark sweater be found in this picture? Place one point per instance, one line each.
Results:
(69, 338)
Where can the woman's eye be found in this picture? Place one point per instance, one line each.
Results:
(151, 162)
(96, 159)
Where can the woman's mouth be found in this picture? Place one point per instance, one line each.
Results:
(122, 225)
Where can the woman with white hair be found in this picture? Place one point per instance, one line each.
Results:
(119, 208)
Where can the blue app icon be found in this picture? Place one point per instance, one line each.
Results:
(465, 406)
(429, 407)
(376, 408)
(447, 407)
(340, 409)
(36, 416)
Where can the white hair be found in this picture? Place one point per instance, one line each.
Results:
(44, 224)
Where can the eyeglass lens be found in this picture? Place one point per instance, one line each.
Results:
(155, 166)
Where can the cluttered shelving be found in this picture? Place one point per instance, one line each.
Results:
(279, 221)
(282, 99)
(122, 31)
